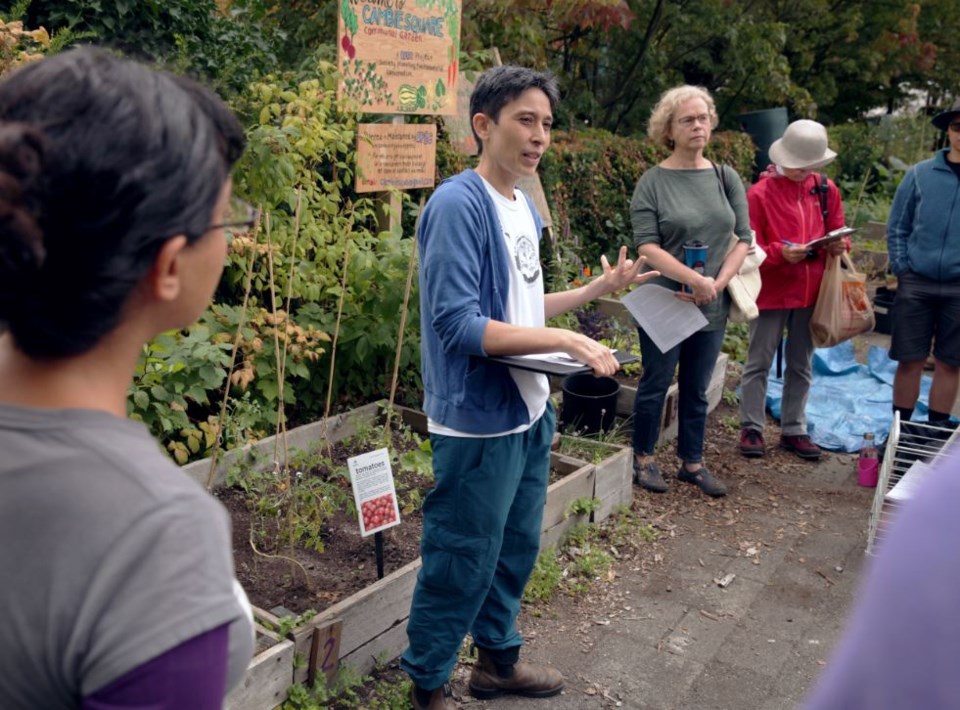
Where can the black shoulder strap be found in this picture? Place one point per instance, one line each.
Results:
(719, 171)
(822, 188)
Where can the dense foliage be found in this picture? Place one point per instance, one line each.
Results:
(589, 177)
(318, 242)
(225, 43)
(321, 256)
(821, 59)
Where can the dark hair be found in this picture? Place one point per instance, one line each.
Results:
(101, 161)
(497, 87)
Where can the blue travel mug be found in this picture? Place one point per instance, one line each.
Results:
(695, 257)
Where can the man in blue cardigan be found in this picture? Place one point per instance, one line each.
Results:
(923, 240)
(491, 426)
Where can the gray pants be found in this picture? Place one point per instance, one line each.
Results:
(765, 332)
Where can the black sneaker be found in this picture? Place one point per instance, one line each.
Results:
(704, 480)
(648, 476)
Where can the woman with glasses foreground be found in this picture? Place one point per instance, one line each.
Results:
(923, 240)
(685, 199)
(790, 206)
(118, 583)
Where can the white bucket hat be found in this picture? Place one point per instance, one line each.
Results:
(803, 147)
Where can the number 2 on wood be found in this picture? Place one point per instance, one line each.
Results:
(326, 665)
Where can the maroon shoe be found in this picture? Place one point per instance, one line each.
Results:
(751, 443)
(801, 445)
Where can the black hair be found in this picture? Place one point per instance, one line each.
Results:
(102, 160)
(497, 87)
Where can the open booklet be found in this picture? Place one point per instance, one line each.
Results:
(830, 237)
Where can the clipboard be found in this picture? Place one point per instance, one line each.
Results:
(830, 238)
(558, 368)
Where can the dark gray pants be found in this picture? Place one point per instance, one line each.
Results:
(765, 332)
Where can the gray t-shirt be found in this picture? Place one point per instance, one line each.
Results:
(672, 207)
(110, 557)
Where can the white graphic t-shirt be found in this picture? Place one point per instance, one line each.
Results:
(524, 299)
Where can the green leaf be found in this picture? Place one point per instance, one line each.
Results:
(159, 392)
(141, 399)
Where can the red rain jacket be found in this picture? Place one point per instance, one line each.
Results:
(782, 210)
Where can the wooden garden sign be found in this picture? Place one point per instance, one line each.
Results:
(399, 56)
(391, 155)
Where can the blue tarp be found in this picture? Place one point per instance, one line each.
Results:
(847, 398)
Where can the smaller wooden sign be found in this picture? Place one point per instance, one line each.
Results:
(398, 156)
(325, 652)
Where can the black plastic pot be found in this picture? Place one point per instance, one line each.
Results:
(589, 404)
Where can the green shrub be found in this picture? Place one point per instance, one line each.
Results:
(589, 177)
(228, 49)
(301, 149)
(872, 159)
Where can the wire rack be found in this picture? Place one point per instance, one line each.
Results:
(906, 444)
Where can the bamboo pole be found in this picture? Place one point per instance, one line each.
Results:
(281, 376)
(215, 457)
(403, 324)
(276, 346)
(333, 347)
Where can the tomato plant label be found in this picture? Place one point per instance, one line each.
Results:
(373, 491)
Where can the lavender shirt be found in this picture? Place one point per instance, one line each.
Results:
(902, 647)
(192, 675)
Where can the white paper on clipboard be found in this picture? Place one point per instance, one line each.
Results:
(667, 319)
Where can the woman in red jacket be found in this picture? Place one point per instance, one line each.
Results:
(790, 206)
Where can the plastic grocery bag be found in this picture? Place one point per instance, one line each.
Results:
(843, 309)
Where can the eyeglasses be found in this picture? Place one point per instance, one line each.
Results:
(688, 121)
(955, 126)
(238, 214)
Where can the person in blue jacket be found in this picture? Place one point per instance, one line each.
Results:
(923, 240)
(491, 426)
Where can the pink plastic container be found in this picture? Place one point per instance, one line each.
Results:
(868, 471)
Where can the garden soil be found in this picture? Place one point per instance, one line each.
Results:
(300, 579)
(737, 604)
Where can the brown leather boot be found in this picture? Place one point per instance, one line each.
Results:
(533, 681)
(440, 699)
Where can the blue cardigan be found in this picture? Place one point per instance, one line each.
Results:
(464, 279)
(923, 231)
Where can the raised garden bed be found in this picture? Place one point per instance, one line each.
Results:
(613, 474)
(268, 675)
(374, 618)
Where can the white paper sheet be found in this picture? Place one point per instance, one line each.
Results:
(906, 487)
(558, 358)
(664, 317)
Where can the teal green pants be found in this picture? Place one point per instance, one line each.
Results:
(481, 536)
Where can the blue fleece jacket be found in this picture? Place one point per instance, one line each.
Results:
(464, 278)
(923, 231)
